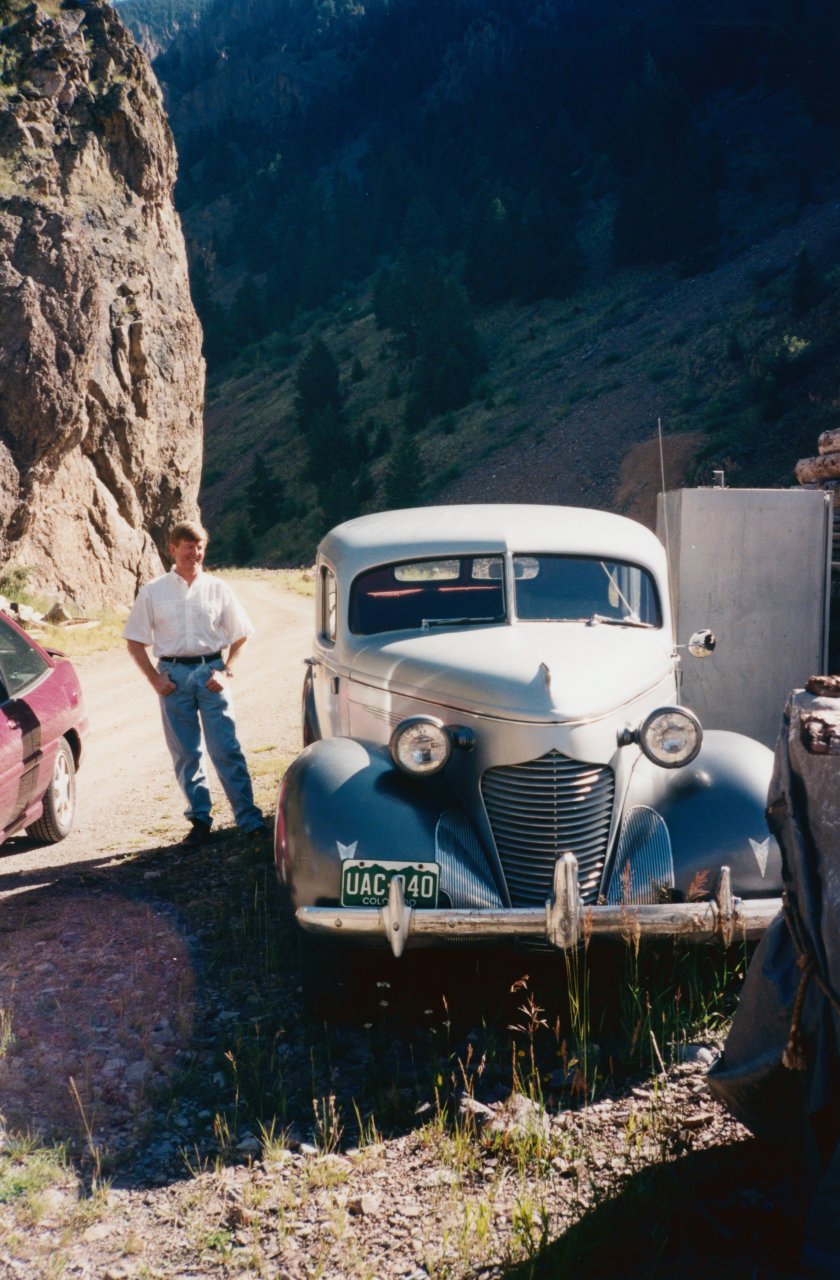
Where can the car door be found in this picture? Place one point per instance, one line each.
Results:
(23, 671)
(11, 760)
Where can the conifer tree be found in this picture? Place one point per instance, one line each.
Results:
(317, 385)
(404, 476)
(242, 546)
(807, 287)
(265, 492)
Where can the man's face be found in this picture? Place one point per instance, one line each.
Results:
(187, 556)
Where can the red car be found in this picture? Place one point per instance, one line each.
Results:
(42, 727)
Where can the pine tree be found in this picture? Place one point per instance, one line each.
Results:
(265, 492)
(807, 288)
(317, 385)
(404, 477)
(246, 318)
(242, 547)
(449, 358)
(490, 272)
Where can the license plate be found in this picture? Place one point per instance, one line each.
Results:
(365, 884)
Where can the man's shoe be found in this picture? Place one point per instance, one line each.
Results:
(258, 844)
(199, 832)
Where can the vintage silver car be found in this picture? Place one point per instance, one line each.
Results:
(495, 746)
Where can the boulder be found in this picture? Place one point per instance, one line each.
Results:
(101, 374)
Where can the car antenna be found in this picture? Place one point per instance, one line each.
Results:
(666, 530)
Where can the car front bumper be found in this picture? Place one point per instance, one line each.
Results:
(563, 922)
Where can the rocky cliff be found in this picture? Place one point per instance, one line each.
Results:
(101, 375)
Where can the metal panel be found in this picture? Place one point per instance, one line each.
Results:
(754, 565)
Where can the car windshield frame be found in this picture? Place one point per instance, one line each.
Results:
(596, 589)
(22, 663)
(455, 589)
(461, 589)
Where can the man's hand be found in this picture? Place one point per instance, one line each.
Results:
(159, 680)
(218, 679)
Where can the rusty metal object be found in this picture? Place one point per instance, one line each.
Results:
(824, 686)
(819, 732)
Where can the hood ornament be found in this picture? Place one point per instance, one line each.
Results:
(545, 672)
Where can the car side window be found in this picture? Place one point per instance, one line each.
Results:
(327, 604)
(20, 664)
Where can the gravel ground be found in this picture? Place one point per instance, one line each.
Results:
(170, 1110)
(158, 1033)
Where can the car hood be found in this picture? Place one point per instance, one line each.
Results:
(532, 671)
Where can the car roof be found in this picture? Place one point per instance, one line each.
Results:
(419, 532)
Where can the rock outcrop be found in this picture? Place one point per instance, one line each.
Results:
(101, 374)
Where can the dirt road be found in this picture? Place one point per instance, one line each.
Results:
(127, 795)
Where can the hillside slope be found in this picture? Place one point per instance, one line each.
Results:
(573, 394)
(511, 287)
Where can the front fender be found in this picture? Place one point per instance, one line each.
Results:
(702, 817)
(343, 798)
(308, 712)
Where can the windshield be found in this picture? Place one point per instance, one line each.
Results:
(574, 588)
(463, 591)
(457, 591)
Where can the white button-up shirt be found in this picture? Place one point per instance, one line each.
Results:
(186, 621)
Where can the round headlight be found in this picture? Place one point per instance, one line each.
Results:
(420, 745)
(671, 737)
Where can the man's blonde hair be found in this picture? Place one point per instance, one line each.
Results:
(187, 531)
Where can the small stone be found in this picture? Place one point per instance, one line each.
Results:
(249, 1146)
(700, 1055)
(364, 1205)
(98, 1231)
(468, 1106)
(58, 614)
(698, 1121)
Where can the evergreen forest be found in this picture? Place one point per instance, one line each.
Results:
(462, 249)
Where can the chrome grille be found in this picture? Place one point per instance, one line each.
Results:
(543, 808)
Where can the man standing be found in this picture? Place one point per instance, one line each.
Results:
(189, 618)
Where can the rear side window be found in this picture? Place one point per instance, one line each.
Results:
(20, 664)
(421, 594)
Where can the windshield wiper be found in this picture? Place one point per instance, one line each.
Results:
(427, 623)
(618, 622)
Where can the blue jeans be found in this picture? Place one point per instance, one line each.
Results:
(188, 710)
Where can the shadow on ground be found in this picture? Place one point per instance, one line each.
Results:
(153, 1018)
(732, 1213)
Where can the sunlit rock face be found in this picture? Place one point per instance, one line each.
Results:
(101, 374)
